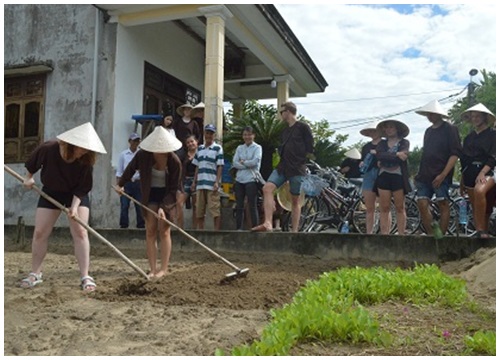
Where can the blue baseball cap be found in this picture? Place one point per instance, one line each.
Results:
(210, 127)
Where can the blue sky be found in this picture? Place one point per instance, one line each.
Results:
(384, 59)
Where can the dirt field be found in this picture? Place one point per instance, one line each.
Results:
(189, 313)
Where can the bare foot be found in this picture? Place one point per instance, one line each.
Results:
(160, 274)
(151, 275)
(262, 227)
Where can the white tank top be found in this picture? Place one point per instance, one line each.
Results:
(158, 178)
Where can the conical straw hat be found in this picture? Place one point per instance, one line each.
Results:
(434, 107)
(180, 109)
(353, 154)
(367, 131)
(198, 108)
(403, 129)
(83, 136)
(479, 108)
(284, 197)
(160, 141)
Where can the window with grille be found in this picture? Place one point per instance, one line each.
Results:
(23, 115)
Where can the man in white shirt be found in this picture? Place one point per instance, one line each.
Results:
(131, 188)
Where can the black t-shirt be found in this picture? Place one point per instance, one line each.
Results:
(353, 165)
(297, 141)
(480, 148)
(439, 144)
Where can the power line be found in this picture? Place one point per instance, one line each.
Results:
(366, 120)
(373, 98)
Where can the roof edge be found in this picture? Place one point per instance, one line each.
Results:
(279, 24)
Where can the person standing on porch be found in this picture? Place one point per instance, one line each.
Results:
(133, 187)
(297, 145)
(246, 161)
(370, 171)
(441, 149)
(209, 162)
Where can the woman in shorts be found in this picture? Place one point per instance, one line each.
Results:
(393, 179)
(478, 162)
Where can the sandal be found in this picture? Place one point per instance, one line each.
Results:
(88, 284)
(31, 280)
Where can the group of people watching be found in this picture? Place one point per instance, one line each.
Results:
(386, 176)
(175, 161)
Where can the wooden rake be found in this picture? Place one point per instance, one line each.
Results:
(229, 277)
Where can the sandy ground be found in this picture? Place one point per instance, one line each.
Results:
(187, 312)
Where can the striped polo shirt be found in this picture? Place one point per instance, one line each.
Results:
(207, 159)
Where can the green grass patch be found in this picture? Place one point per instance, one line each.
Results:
(331, 307)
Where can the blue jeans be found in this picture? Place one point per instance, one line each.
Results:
(133, 189)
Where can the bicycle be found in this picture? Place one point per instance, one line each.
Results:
(414, 222)
(331, 208)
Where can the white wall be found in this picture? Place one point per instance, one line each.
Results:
(163, 45)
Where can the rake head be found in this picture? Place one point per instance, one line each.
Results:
(241, 273)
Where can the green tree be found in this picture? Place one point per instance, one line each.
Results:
(484, 92)
(263, 119)
(414, 157)
(328, 149)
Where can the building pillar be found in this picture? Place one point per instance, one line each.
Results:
(283, 89)
(214, 65)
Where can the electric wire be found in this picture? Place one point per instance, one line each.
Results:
(367, 120)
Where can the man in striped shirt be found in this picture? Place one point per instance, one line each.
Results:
(209, 161)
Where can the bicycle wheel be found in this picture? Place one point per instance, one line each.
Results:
(358, 219)
(308, 213)
(492, 227)
(463, 229)
(323, 219)
(413, 219)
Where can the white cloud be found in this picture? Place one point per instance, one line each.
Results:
(359, 49)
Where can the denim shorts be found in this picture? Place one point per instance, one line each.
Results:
(278, 180)
(369, 179)
(425, 190)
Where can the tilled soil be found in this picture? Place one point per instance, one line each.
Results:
(187, 312)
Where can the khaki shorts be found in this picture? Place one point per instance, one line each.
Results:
(210, 199)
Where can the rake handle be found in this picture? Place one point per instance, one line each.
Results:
(178, 228)
(78, 220)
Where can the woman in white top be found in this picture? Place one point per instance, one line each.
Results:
(168, 121)
(246, 161)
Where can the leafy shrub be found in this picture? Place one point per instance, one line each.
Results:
(483, 342)
(329, 308)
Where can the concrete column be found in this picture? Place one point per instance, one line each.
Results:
(214, 64)
(283, 89)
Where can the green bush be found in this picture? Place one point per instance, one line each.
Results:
(330, 308)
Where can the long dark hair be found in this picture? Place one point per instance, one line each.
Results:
(68, 150)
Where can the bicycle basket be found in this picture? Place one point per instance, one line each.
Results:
(312, 185)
